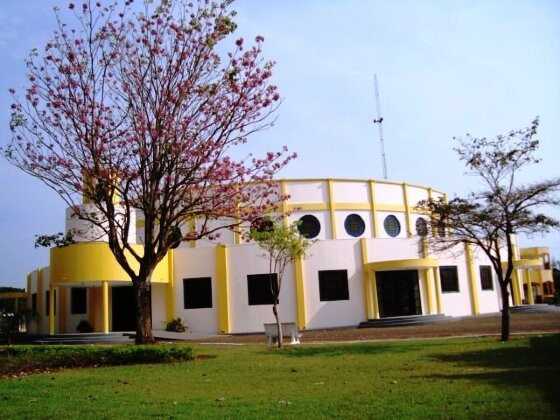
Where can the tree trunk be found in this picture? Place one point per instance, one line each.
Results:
(278, 324)
(144, 334)
(505, 313)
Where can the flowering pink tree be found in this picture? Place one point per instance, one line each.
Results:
(137, 113)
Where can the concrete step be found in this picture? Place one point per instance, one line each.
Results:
(399, 321)
(536, 308)
(86, 338)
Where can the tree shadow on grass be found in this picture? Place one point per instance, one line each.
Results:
(345, 349)
(536, 366)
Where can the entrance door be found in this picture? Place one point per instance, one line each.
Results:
(124, 308)
(398, 293)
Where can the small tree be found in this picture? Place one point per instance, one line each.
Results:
(489, 219)
(137, 113)
(283, 245)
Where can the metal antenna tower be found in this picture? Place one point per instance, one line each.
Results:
(379, 122)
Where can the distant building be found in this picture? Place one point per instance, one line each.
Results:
(369, 262)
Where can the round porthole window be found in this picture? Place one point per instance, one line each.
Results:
(354, 225)
(421, 227)
(309, 226)
(392, 226)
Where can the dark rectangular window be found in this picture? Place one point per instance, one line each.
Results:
(262, 288)
(78, 300)
(449, 279)
(48, 302)
(486, 282)
(197, 292)
(34, 302)
(333, 285)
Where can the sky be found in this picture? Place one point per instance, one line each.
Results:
(444, 68)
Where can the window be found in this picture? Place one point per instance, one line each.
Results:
(48, 302)
(34, 302)
(449, 279)
(333, 285)
(78, 300)
(421, 227)
(260, 288)
(392, 226)
(486, 282)
(309, 226)
(197, 293)
(354, 225)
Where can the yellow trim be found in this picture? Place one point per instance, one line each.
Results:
(368, 301)
(438, 290)
(192, 228)
(62, 309)
(105, 306)
(94, 262)
(40, 296)
(373, 208)
(351, 206)
(170, 296)
(283, 191)
(300, 293)
(373, 279)
(534, 252)
(417, 263)
(13, 295)
(51, 309)
(472, 279)
(391, 207)
(222, 280)
(525, 263)
(307, 206)
(428, 278)
(407, 210)
(331, 208)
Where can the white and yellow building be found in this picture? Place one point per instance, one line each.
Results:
(368, 262)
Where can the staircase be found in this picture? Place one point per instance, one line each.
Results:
(401, 321)
(536, 308)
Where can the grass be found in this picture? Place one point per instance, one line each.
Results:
(438, 378)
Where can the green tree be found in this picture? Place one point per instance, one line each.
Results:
(491, 218)
(282, 245)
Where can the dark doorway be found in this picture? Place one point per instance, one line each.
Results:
(124, 308)
(398, 293)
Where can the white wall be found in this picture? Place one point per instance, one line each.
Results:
(350, 192)
(307, 192)
(389, 194)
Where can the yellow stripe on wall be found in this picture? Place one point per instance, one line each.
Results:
(222, 280)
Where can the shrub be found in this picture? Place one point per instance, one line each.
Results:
(17, 359)
(176, 325)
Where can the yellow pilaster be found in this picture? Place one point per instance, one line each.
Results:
(28, 290)
(284, 191)
(515, 289)
(438, 290)
(331, 208)
(170, 288)
(367, 282)
(105, 306)
(40, 297)
(300, 293)
(472, 279)
(373, 282)
(407, 210)
(62, 309)
(428, 278)
(530, 297)
(222, 277)
(192, 228)
(373, 209)
(51, 309)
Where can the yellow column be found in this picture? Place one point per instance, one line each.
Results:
(373, 280)
(373, 208)
(472, 279)
(331, 208)
(222, 279)
(105, 305)
(438, 290)
(170, 290)
(530, 297)
(407, 210)
(428, 278)
(62, 309)
(515, 289)
(367, 281)
(28, 290)
(300, 293)
(51, 309)
(192, 228)
(40, 299)
(283, 188)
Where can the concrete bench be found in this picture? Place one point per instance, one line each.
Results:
(289, 330)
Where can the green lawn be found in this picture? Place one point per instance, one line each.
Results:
(438, 378)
